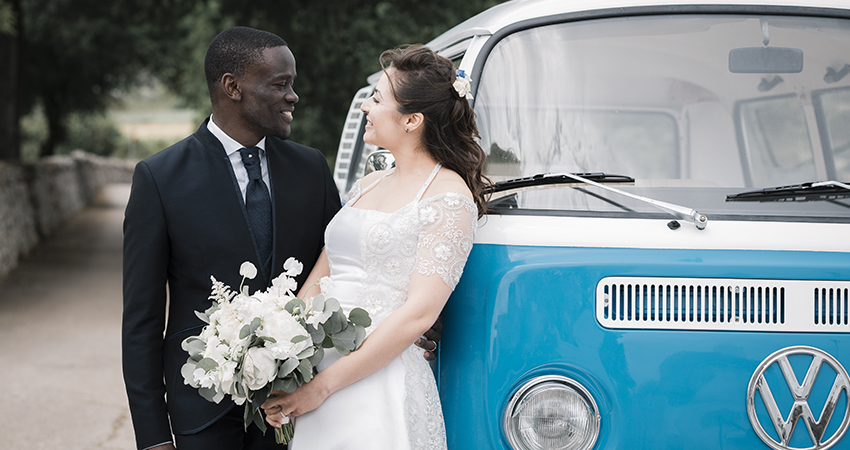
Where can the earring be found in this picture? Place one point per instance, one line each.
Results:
(406, 130)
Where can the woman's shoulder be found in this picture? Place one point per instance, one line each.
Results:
(447, 183)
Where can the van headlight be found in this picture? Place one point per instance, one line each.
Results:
(551, 412)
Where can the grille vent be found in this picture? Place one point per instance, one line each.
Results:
(723, 304)
(348, 141)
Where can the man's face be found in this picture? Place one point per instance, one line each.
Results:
(268, 98)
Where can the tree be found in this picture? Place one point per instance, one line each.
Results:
(76, 53)
(336, 45)
(9, 148)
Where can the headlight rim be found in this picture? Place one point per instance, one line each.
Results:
(534, 384)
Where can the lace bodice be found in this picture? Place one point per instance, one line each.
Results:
(431, 236)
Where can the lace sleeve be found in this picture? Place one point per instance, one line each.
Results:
(448, 227)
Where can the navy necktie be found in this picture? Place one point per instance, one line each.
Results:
(259, 206)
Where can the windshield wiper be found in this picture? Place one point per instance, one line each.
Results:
(689, 214)
(811, 191)
(543, 179)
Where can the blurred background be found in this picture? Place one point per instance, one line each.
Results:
(88, 88)
(125, 78)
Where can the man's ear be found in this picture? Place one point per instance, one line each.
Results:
(414, 121)
(231, 87)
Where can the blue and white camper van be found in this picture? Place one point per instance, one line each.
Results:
(667, 260)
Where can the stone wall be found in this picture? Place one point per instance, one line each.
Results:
(37, 198)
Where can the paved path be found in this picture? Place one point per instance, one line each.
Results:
(60, 338)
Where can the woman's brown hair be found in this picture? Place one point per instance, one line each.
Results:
(423, 83)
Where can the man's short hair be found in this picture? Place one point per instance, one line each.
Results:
(235, 50)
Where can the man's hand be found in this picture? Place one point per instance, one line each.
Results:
(430, 339)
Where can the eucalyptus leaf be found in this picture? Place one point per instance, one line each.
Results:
(290, 306)
(328, 342)
(258, 420)
(318, 355)
(287, 367)
(256, 324)
(305, 369)
(331, 304)
(245, 332)
(319, 303)
(194, 346)
(317, 333)
(208, 394)
(306, 353)
(205, 318)
(359, 316)
(188, 371)
(207, 364)
(261, 395)
(278, 384)
(361, 335)
(298, 338)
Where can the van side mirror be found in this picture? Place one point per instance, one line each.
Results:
(380, 159)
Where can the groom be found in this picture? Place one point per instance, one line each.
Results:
(195, 211)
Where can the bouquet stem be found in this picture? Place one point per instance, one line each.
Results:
(284, 433)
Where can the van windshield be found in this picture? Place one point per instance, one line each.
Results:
(693, 107)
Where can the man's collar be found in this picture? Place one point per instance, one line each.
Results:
(230, 145)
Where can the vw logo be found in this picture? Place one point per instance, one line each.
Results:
(785, 422)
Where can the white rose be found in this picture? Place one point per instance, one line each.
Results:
(325, 284)
(259, 368)
(282, 327)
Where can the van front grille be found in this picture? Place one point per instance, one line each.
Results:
(723, 304)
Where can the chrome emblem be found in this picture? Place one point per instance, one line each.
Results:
(800, 393)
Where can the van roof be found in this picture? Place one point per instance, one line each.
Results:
(500, 16)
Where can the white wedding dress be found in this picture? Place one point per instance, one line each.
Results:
(372, 257)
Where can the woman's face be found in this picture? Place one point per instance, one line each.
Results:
(384, 123)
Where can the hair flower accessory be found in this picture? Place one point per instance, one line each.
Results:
(462, 86)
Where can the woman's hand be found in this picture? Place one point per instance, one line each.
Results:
(306, 398)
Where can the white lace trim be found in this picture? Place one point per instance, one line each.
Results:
(448, 229)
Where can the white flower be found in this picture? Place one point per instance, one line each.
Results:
(259, 367)
(248, 270)
(227, 372)
(282, 327)
(293, 267)
(326, 284)
(284, 285)
(462, 86)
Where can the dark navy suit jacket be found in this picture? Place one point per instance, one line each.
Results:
(184, 222)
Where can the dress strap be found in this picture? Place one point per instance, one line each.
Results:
(427, 182)
(367, 188)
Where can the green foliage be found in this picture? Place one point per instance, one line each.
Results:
(7, 18)
(76, 53)
(336, 45)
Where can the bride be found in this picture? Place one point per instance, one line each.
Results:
(396, 249)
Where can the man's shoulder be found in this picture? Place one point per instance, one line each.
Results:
(291, 150)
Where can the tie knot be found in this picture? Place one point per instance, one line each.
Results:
(251, 160)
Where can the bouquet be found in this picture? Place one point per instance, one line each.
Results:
(271, 340)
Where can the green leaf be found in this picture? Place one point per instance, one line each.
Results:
(360, 316)
(344, 340)
(261, 395)
(319, 303)
(203, 317)
(317, 333)
(318, 355)
(335, 323)
(298, 338)
(328, 342)
(245, 332)
(332, 304)
(306, 353)
(207, 364)
(305, 369)
(293, 303)
(287, 367)
(194, 346)
(207, 393)
(361, 335)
